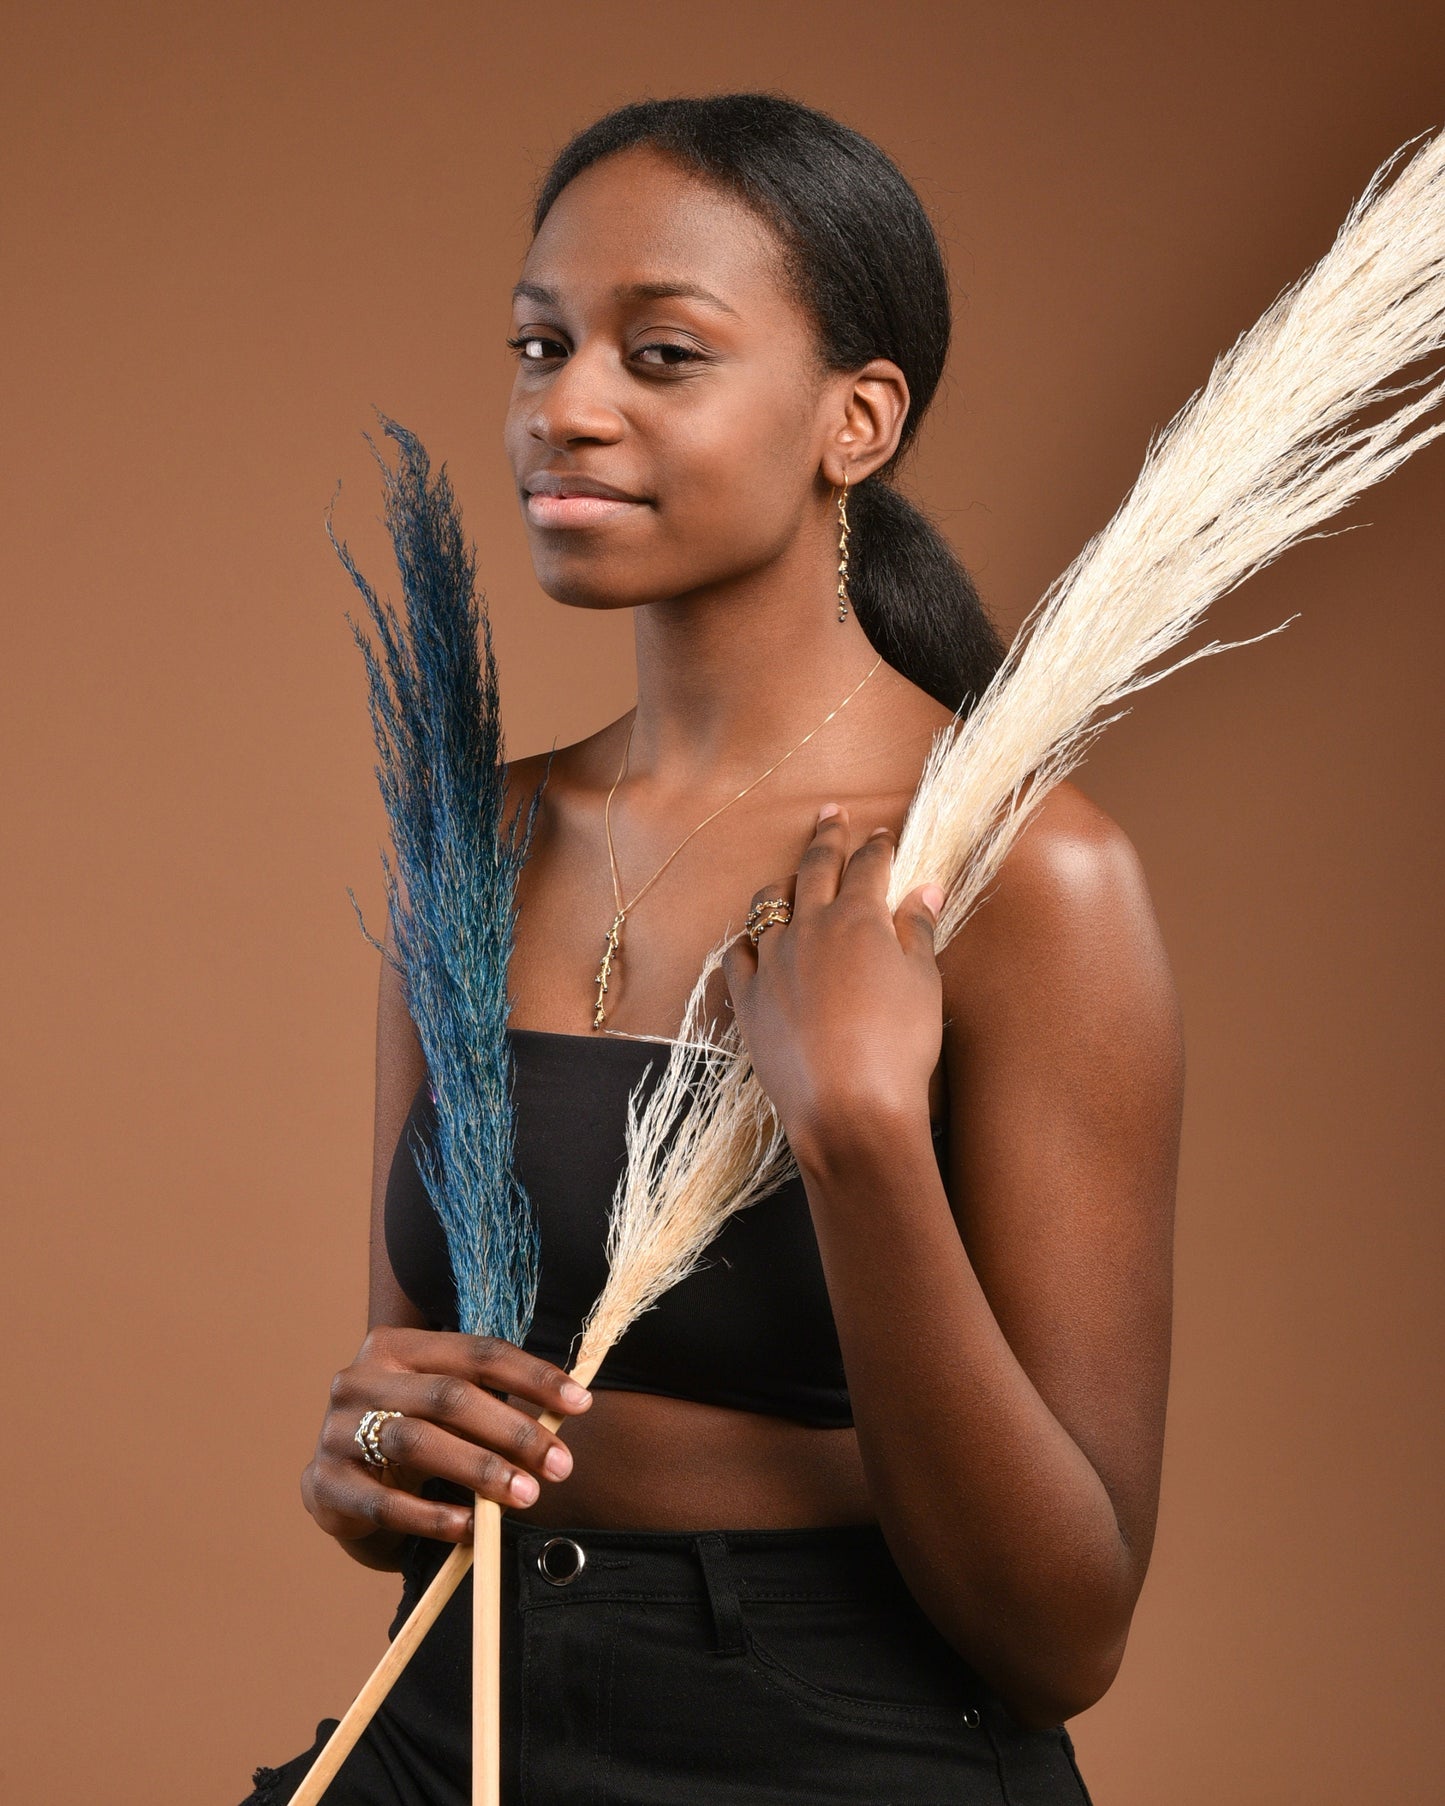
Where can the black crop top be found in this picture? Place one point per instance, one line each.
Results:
(750, 1327)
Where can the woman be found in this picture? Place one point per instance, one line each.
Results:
(861, 1511)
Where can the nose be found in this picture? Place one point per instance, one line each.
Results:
(578, 404)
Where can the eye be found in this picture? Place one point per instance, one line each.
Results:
(529, 348)
(674, 354)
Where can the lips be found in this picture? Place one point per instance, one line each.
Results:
(568, 499)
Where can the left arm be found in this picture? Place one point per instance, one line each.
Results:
(1006, 1340)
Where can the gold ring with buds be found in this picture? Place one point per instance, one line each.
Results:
(763, 915)
(366, 1438)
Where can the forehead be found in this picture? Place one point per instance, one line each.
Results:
(638, 219)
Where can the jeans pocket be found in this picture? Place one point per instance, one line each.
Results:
(862, 1655)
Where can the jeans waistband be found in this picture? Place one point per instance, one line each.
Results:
(560, 1566)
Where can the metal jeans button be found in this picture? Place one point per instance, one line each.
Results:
(570, 1558)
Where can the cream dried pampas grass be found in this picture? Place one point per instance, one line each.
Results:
(1254, 460)
(687, 1171)
(1247, 467)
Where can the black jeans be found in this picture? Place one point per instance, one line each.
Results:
(696, 1668)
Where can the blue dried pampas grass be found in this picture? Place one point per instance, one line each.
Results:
(437, 721)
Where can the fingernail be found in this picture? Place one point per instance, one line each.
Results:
(827, 811)
(932, 899)
(558, 1462)
(525, 1488)
(575, 1394)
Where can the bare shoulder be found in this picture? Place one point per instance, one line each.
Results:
(1068, 915)
(524, 775)
(535, 788)
(1071, 854)
(569, 773)
(528, 770)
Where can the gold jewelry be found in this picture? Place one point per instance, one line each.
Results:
(843, 597)
(613, 948)
(366, 1434)
(763, 915)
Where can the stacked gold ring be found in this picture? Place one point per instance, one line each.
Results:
(366, 1438)
(763, 915)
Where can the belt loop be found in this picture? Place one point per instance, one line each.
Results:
(722, 1594)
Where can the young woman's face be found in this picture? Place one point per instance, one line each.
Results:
(705, 411)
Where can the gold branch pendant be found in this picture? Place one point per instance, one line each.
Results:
(604, 971)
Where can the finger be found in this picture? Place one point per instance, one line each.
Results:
(783, 891)
(485, 1360)
(870, 868)
(739, 967)
(821, 865)
(352, 1496)
(916, 918)
(474, 1414)
(414, 1443)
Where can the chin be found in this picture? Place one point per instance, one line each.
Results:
(596, 583)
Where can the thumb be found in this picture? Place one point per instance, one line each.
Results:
(917, 916)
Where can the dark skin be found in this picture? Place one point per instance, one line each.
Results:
(1006, 1328)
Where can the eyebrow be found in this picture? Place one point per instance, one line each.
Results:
(631, 291)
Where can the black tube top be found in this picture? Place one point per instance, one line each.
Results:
(750, 1327)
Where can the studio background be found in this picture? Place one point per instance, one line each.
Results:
(228, 233)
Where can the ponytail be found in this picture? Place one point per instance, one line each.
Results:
(914, 600)
(867, 265)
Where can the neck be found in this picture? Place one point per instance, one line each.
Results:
(728, 681)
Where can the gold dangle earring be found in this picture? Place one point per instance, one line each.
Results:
(843, 550)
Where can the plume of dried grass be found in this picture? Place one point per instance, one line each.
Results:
(435, 708)
(435, 705)
(1254, 460)
(687, 1170)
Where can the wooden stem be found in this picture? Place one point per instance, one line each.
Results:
(487, 1655)
(399, 1652)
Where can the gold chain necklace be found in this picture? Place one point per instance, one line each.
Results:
(612, 951)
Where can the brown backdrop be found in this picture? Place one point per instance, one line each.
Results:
(228, 232)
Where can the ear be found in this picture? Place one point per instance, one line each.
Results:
(872, 405)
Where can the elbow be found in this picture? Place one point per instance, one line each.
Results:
(1067, 1663)
(1055, 1665)
(1043, 1698)
(1053, 1650)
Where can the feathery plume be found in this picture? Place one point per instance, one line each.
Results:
(437, 721)
(1253, 460)
(436, 715)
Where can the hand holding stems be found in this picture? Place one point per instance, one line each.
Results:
(841, 1008)
(452, 1426)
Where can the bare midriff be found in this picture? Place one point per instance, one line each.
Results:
(643, 1461)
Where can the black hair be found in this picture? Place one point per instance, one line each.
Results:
(865, 261)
